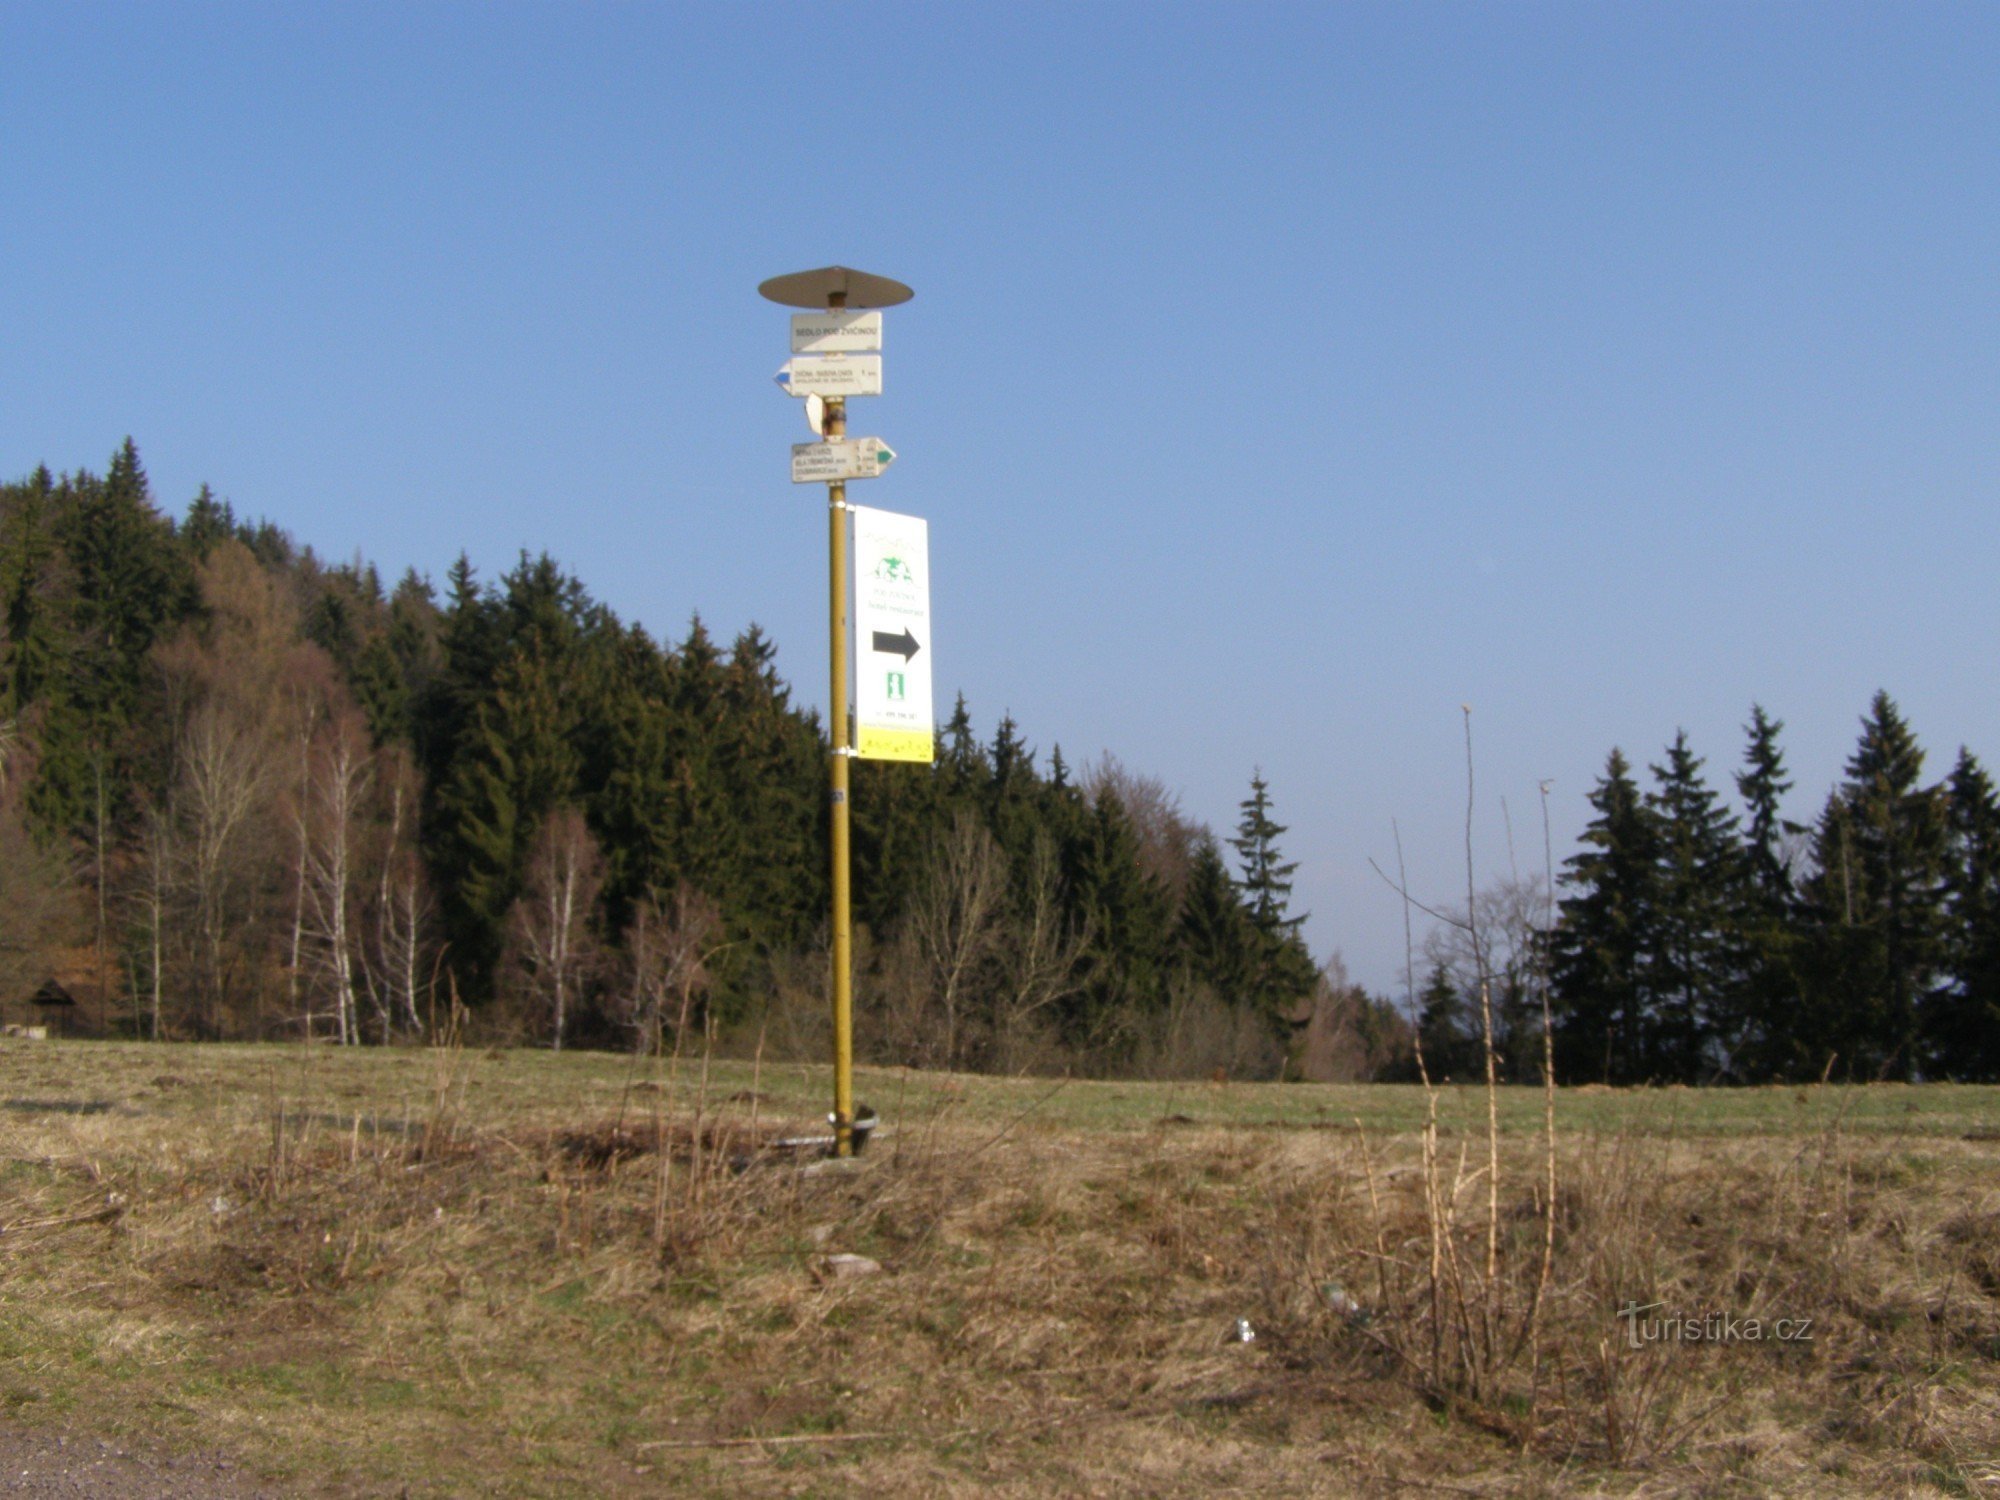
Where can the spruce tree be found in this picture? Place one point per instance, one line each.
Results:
(469, 647)
(32, 595)
(1063, 818)
(1762, 784)
(1214, 938)
(208, 522)
(1768, 908)
(1962, 1022)
(1265, 878)
(1126, 913)
(1281, 968)
(381, 690)
(630, 803)
(1601, 987)
(1698, 963)
(962, 769)
(1876, 901)
(1445, 1030)
(1058, 769)
(1009, 800)
(128, 584)
(708, 843)
(516, 767)
(770, 768)
(896, 816)
(1012, 763)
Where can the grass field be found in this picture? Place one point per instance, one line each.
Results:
(453, 1272)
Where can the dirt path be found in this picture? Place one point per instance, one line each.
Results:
(56, 1463)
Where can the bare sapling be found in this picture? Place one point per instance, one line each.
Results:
(683, 948)
(1470, 1314)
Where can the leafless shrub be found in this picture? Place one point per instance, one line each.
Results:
(1042, 963)
(955, 928)
(895, 1012)
(1344, 1035)
(1199, 1035)
(793, 1017)
(983, 958)
(668, 949)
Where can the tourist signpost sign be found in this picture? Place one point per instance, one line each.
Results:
(836, 347)
(837, 332)
(846, 458)
(831, 375)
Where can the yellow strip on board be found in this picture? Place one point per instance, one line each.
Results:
(896, 744)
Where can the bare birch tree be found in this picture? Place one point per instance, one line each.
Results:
(339, 773)
(223, 777)
(401, 907)
(549, 924)
(230, 693)
(154, 883)
(295, 967)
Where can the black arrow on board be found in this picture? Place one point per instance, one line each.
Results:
(904, 645)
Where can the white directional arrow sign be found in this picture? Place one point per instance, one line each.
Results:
(842, 458)
(831, 375)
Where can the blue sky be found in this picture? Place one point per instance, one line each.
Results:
(1280, 378)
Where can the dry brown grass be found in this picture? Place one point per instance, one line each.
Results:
(464, 1273)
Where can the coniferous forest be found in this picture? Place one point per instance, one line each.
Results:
(1690, 942)
(248, 794)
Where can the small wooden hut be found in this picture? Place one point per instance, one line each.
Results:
(53, 1005)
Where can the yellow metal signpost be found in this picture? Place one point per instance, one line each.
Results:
(833, 359)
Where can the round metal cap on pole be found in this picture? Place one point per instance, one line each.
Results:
(835, 286)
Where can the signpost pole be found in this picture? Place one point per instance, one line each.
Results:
(843, 951)
(833, 376)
